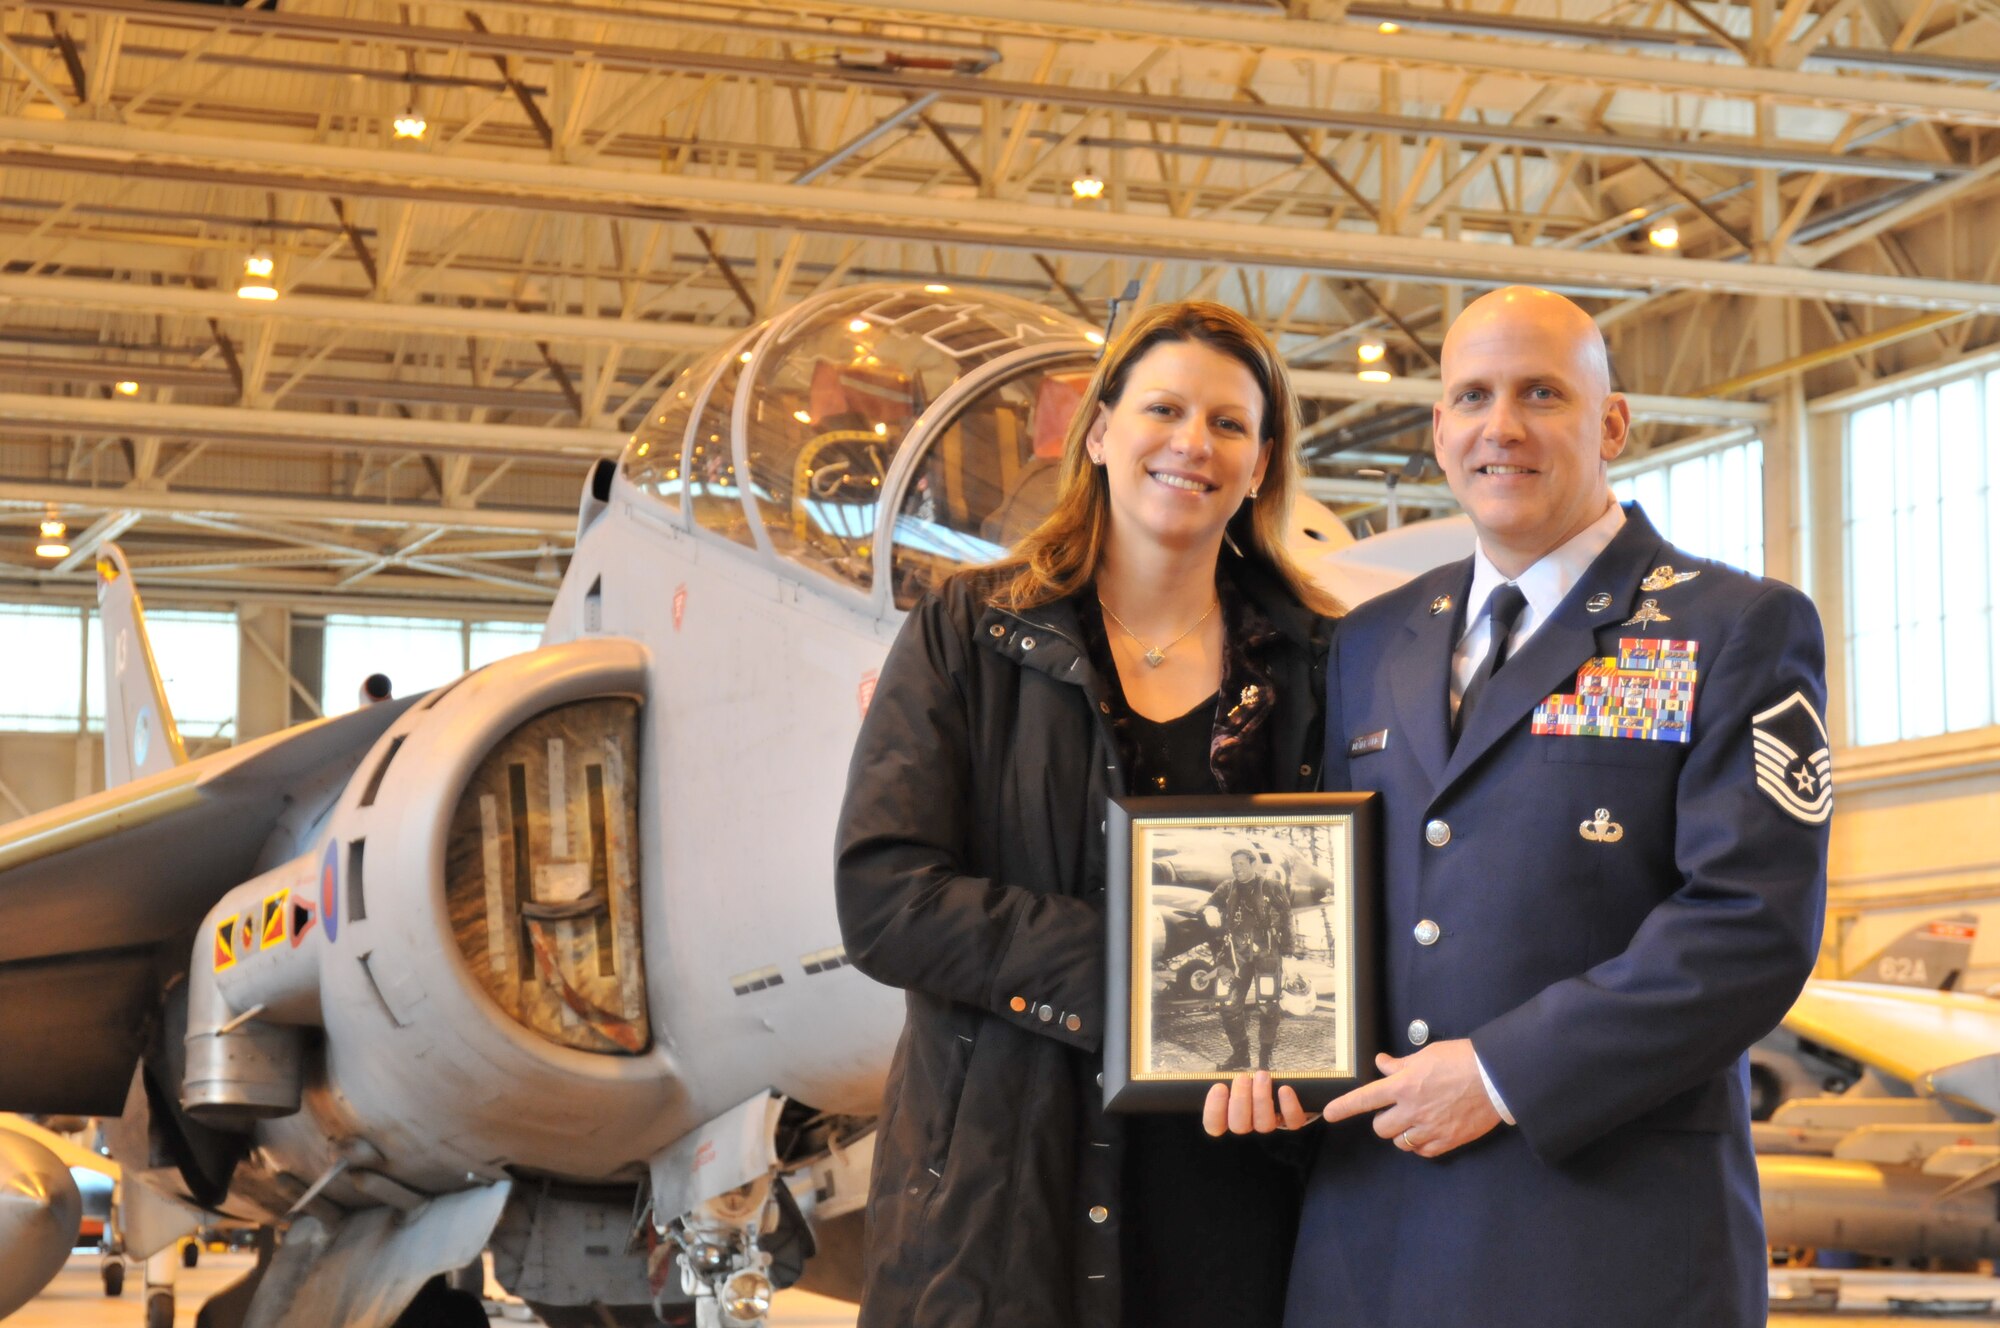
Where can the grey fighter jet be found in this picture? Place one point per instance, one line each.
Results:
(545, 962)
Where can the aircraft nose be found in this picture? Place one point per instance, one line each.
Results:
(40, 1215)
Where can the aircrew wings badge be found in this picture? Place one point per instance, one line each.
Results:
(1793, 763)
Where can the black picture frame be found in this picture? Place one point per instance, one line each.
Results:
(1166, 1037)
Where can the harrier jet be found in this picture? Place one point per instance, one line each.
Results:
(545, 962)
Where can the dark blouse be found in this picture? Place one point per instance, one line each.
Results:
(1209, 1223)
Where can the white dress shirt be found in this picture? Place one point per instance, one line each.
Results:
(1544, 586)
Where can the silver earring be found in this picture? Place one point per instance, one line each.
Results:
(1253, 495)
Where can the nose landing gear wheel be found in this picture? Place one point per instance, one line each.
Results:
(160, 1310)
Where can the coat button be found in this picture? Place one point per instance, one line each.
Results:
(1420, 1032)
(1104, 707)
(1018, 1004)
(1437, 834)
(1046, 1013)
(1072, 1023)
(1306, 770)
(1426, 932)
(996, 631)
(1099, 1213)
(1027, 643)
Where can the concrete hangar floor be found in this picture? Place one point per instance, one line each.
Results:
(76, 1299)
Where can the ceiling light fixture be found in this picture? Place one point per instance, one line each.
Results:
(937, 288)
(858, 325)
(1388, 27)
(53, 545)
(1375, 375)
(1665, 235)
(126, 387)
(1094, 337)
(411, 124)
(1370, 352)
(1087, 185)
(257, 284)
(803, 417)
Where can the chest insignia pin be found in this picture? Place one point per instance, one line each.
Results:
(1649, 612)
(1601, 830)
(1598, 603)
(1440, 604)
(1665, 578)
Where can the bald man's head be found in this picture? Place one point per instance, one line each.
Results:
(1528, 423)
(1511, 307)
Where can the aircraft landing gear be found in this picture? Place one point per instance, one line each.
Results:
(715, 1248)
(190, 1253)
(160, 1310)
(113, 1273)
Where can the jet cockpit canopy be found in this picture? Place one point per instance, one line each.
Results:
(879, 435)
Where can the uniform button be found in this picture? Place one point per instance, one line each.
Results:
(1104, 707)
(1426, 932)
(1072, 1023)
(1160, 782)
(996, 630)
(1420, 1032)
(1027, 643)
(1099, 1213)
(1018, 1004)
(1306, 770)
(1437, 834)
(1046, 1014)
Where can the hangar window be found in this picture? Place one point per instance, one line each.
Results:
(1922, 561)
(52, 672)
(417, 653)
(1711, 504)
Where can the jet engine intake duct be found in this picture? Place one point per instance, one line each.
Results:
(542, 877)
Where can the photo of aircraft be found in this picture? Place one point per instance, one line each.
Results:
(544, 962)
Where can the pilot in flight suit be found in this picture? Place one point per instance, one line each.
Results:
(1256, 913)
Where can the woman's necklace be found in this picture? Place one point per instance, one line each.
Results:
(1156, 655)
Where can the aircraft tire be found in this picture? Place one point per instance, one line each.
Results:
(190, 1254)
(160, 1310)
(1200, 979)
(438, 1306)
(114, 1278)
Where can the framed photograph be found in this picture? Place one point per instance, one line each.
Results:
(1242, 937)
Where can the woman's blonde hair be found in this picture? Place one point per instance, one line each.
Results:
(1061, 555)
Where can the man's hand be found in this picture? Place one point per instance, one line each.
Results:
(1244, 1106)
(1430, 1102)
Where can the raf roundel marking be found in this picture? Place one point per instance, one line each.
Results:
(329, 891)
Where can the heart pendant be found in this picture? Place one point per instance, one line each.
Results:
(1156, 657)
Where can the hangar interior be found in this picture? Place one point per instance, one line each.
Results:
(322, 309)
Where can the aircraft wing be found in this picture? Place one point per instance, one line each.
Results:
(90, 891)
(1908, 1032)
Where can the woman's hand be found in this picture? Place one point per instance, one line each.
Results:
(1244, 1105)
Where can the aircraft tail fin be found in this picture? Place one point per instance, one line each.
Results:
(140, 737)
(1933, 954)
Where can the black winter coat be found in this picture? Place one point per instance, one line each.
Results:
(971, 874)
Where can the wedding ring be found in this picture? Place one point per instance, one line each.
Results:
(1409, 1144)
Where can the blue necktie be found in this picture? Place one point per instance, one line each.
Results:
(1503, 608)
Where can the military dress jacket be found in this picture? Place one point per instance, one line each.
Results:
(971, 873)
(1613, 884)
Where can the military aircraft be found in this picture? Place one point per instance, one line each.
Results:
(1903, 1163)
(544, 962)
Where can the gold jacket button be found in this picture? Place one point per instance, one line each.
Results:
(1099, 1213)
(1018, 1004)
(1426, 932)
(996, 630)
(1073, 1023)
(1437, 834)
(1420, 1032)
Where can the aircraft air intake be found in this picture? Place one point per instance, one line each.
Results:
(542, 877)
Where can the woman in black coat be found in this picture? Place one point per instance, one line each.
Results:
(1152, 636)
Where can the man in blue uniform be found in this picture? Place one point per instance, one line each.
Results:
(1605, 792)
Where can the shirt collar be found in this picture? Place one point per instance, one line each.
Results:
(1545, 583)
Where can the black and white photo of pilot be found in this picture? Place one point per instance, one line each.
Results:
(1248, 971)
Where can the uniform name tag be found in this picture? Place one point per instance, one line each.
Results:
(1646, 690)
(1368, 742)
